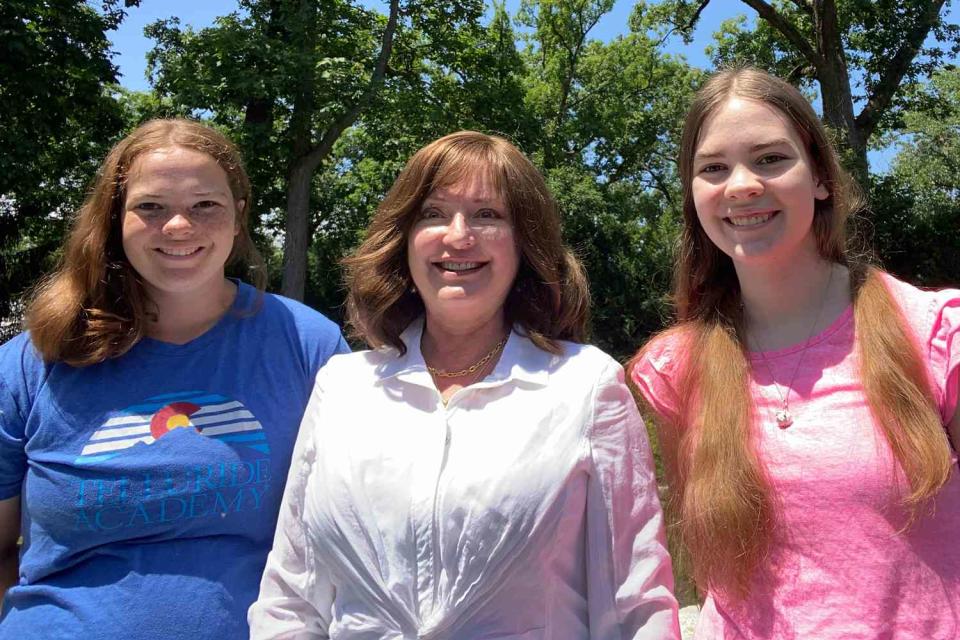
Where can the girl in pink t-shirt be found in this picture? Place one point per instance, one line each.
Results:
(804, 399)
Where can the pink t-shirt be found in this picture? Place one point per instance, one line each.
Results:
(838, 567)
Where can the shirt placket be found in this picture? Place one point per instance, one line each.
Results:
(426, 491)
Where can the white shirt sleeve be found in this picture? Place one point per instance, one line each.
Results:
(296, 595)
(629, 574)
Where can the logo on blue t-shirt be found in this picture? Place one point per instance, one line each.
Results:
(209, 415)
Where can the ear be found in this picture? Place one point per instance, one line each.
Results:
(820, 191)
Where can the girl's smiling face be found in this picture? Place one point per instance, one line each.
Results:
(179, 222)
(754, 184)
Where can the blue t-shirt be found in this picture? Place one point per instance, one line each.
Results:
(150, 483)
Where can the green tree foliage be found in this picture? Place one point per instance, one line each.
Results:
(918, 204)
(329, 98)
(859, 52)
(611, 114)
(472, 79)
(58, 115)
(290, 77)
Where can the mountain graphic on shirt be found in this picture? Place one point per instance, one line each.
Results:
(207, 414)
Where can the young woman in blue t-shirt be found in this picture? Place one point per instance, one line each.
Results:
(148, 414)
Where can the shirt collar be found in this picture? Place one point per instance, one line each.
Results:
(521, 360)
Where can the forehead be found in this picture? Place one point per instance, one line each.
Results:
(478, 185)
(175, 166)
(742, 122)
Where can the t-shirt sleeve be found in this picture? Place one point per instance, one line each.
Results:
(944, 351)
(654, 375)
(18, 366)
(328, 341)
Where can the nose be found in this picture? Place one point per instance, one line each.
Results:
(459, 233)
(178, 224)
(743, 183)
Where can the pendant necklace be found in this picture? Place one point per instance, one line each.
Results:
(783, 416)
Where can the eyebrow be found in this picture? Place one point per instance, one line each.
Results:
(439, 198)
(760, 146)
(195, 194)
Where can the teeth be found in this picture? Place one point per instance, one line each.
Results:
(746, 221)
(186, 251)
(459, 266)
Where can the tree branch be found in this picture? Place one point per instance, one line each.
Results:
(880, 97)
(684, 28)
(333, 133)
(787, 30)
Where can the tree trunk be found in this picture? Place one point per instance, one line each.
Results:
(305, 157)
(299, 171)
(295, 241)
(835, 92)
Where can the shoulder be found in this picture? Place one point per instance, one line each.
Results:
(928, 312)
(19, 356)
(277, 306)
(657, 371)
(665, 353)
(906, 293)
(22, 372)
(276, 316)
(355, 368)
(585, 360)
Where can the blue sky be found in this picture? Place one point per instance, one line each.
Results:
(131, 46)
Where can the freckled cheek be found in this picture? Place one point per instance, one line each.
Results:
(219, 224)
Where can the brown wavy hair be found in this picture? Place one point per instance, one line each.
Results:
(94, 305)
(721, 498)
(550, 297)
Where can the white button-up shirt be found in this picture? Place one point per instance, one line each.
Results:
(526, 508)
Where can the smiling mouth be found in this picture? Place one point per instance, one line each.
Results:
(459, 267)
(750, 220)
(179, 252)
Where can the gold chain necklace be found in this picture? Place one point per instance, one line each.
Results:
(783, 416)
(472, 368)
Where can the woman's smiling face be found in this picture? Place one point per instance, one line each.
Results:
(754, 185)
(462, 252)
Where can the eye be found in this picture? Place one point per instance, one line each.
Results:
(148, 210)
(712, 168)
(429, 213)
(771, 158)
(489, 214)
(207, 208)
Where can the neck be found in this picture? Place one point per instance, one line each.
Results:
(785, 305)
(182, 318)
(454, 346)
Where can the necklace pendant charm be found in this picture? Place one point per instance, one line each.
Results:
(784, 419)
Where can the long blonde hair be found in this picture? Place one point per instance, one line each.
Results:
(720, 496)
(94, 306)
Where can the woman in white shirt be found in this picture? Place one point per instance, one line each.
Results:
(480, 473)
